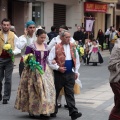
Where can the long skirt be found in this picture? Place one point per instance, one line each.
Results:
(95, 58)
(36, 93)
(115, 113)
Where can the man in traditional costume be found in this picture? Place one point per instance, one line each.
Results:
(25, 40)
(52, 43)
(6, 63)
(114, 68)
(67, 58)
(57, 39)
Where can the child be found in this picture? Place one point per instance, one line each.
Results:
(86, 47)
(95, 56)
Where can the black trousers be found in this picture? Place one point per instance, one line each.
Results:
(66, 80)
(85, 58)
(6, 69)
(21, 67)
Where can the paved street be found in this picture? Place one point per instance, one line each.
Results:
(95, 100)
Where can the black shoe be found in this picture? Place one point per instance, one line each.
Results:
(65, 106)
(59, 105)
(5, 101)
(31, 115)
(53, 115)
(74, 116)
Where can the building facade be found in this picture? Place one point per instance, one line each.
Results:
(103, 11)
(44, 12)
(58, 12)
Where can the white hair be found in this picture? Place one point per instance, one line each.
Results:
(62, 34)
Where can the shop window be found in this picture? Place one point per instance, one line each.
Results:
(38, 13)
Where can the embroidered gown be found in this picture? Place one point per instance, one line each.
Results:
(95, 56)
(36, 93)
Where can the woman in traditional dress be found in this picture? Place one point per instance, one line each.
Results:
(95, 56)
(36, 92)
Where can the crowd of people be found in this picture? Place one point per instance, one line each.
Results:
(48, 66)
(44, 70)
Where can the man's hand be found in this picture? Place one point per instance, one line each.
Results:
(76, 76)
(62, 69)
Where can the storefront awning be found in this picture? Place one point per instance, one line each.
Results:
(95, 7)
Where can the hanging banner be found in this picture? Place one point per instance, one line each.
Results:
(89, 25)
(95, 7)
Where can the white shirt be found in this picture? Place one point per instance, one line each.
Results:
(16, 50)
(57, 40)
(5, 38)
(25, 41)
(52, 56)
(112, 35)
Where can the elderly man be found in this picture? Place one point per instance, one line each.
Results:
(57, 39)
(52, 43)
(66, 58)
(6, 63)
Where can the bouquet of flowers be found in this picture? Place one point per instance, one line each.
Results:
(30, 61)
(7, 47)
(80, 50)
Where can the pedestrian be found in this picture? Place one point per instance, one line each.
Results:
(6, 63)
(95, 56)
(87, 47)
(40, 27)
(114, 79)
(66, 57)
(118, 33)
(79, 36)
(52, 34)
(26, 39)
(54, 41)
(57, 39)
(36, 92)
(89, 35)
(101, 38)
(112, 39)
(12, 28)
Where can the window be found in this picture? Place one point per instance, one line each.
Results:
(38, 13)
(117, 6)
